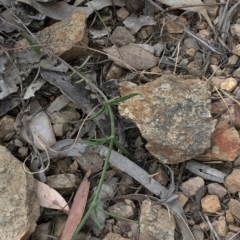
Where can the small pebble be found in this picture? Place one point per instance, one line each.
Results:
(229, 84)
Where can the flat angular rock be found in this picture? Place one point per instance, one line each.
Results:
(19, 205)
(192, 185)
(211, 204)
(172, 27)
(235, 31)
(121, 36)
(217, 189)
(236, 50)
(65, 37)
(121, 209)
(229, 84)
(172, 115)
(115, 236)
(234, 207)
(157, 223)
(225, 143)
(6, 128)
(63, 183)
(221, 227)
(232, 181)
(122, 14)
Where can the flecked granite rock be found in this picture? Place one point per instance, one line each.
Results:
(173, 116)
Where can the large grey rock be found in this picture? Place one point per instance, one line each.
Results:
(173, 116)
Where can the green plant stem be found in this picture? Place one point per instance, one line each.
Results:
(94, 202)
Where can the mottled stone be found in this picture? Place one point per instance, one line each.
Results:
(172, 115)
(229, 216)
(191, 52)
(161, 176)
(6, 128)
(234, 207)
(232, 181)
(232, 61)
(146, 32)
(173, 27)
(204, 226)
(157, 223)
(236, 73)
(114, 236)
(211, 204)
(236, 50)
(229, 84)
(122, 14)
(220, 226)
(65, 38)
(217, 189)
(233, 228)
(191, 43)
(59, 224)
(67, 114)
(195, 67)
(121, 209)
(64, 183)
(205, 34)
(114, 72)
(129, 229)
(182, 199)
(225, 144)
(19, 205)
(191, 186)
(197, 232)
(121, 36)
(216, 81)
(23, 152)
(235, 31)
(231, 236)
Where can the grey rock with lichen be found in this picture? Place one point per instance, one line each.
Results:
(173, 116)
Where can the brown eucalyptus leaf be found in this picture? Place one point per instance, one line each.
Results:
(78, 207)
(132, 56)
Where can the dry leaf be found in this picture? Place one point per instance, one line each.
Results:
(77, 209)
(133, 24)
(33, 87)
(133, 56)
(50, 198)
(61, 10)
(40, 127)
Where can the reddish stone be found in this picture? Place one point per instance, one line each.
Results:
(225, 144)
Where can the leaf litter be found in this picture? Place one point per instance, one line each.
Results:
(54, 112)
